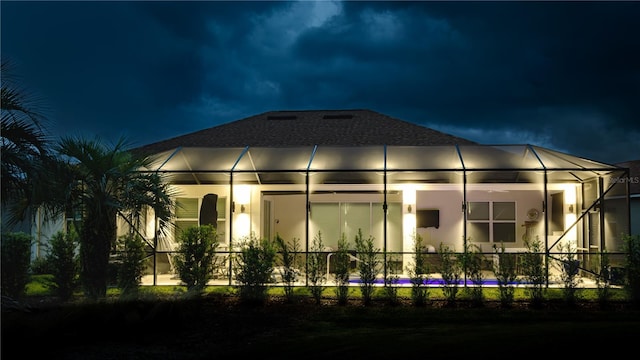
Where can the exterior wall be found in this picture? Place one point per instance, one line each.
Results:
(289, 217)
(635, 215)
(41, 232)
(450, 231)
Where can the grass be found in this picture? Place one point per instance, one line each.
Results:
(38, 288)
(165, 323)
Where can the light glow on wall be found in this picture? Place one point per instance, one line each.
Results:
(408, 194)
(242, 225)
(408, 218)
(570, 217)
(242, 194)
(242, 211)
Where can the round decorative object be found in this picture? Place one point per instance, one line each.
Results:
(533, 214)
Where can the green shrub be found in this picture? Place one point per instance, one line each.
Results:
(603, 279)
(472, 264)
(451, 270)
(289, 260)
(534, 271)
(132, 265)
(419, 272)
(341, 260)
(41, 266)
(632, 283)
(65, 263)
(569, 271)
(368, 265)
(196, 259)
(391, 283)
(254, 269)
(506, 275)
(16, 258)
(316, 268)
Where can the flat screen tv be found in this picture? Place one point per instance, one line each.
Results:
(427, 218)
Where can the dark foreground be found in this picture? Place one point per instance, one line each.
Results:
(219, 327)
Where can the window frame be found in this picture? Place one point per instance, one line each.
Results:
(491, 221)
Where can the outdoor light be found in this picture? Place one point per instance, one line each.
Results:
(409, 196)
(242, 195)
(570, 197)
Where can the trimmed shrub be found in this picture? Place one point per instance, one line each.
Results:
(131, 266)
(16, 258)
(368, 265)
(316, 265)
(341, 274)
(196, 259)
(65, 263)
(254, 269)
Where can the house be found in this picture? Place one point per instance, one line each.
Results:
(634, 190)
(304, 174)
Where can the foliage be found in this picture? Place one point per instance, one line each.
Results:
(100, 182)
(254, 269)
(391, 280)
(341, 259)
(534, 271)
(132, 264)
(65, 264)
(472, 263)
(419, 272)
(40, 266)
(16, 257)
(316, 264)
(196, 259)
(506, 275)
(368, 265)
(569, 271)
(603, 279)
(25, 147)
(290, 262)
(451, 271)
(632, 249)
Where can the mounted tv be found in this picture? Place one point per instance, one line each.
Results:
(426, 218)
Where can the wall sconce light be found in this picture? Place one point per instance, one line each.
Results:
(242, 208)
(571, 208)
(409, 209)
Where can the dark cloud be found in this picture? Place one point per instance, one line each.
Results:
(563, 75)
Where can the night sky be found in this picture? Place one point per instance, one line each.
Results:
(565, 76)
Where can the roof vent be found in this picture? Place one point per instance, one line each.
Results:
(281, 117)
(338, 117)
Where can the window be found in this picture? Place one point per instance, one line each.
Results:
(186, 215)
(491, 221)
(333, 219)
(73, 217)
(188, 211)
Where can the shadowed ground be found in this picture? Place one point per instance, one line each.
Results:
(215, 326)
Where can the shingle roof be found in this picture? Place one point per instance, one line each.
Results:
(310, 127)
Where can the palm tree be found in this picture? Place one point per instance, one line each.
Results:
(25, 146)
(104, 182)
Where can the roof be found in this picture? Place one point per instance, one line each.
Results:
(310, 127)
